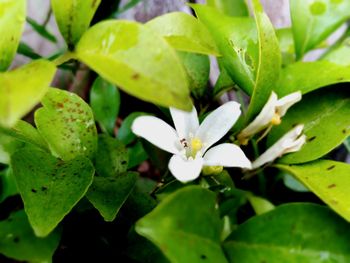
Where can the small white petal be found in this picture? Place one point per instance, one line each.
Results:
(157, 132)
(228, 155)
(185, 170)
(290, 142)
(185, 122)
(263, 119)
(218, 123)
(286, 102)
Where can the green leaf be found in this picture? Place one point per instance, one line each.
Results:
(67, 124)
(108, 194)
(347, 144)
(41, 30)
(137, 155)
(306, 77)
(269, 61)
(183, 228)
(325, 114)
(329, 180)
(290, 233)
(12, 20)
(197, 67)
(27, 51)
(147, 66)
(314, 20)
(49, 187)
(230, 7)
(111, 158)
(184, 32)
(73, 17)
(224, 82)
(125, 133)
(237, 41)
(8, 184)
(105, 103)
(260, 205)
(17, 240)
(23, 91)
(339, 53)
(286, 42)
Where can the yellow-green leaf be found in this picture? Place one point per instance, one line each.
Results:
(184, 32)
(138, 60)
(329, 180)
(12, 19)
(22, 89)
(73, 17)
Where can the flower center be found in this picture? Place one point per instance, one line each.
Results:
(276, 119)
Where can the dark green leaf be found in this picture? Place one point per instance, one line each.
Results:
(197, 67)
(137, 155)
(8, 184)
(27, 51)
(291, 233)
(111, 158)
(105, 103)
(41, 30)
(18, 241)
(183, 228)
(325, 114)
(124, 133)
(108, 194)
(67, 124)
(49, 187)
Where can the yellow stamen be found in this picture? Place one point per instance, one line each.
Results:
(212, 170)
(196, 145)
(276, 119)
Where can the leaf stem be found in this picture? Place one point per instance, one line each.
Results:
(64, 58)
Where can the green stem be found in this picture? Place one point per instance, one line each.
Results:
(261, 175)
(64, 58)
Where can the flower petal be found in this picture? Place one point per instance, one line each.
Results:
(218, 123)
(286, 102)
(290, 142)
(262, 120)
(228, 155)
(157, 132)
(185, 122)
(185, 170)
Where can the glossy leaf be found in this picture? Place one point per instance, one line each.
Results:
(73, 17)
(306, 77)
(136, 59)
(230, 7)
(291, 233)
(314, 20)
(183, 229)
(125, 133)
(105, 103)
(325, 114)
(339, 53)
(12, 20)
(197, 67)
(108, 194)
(184, 32)
(286, 42)
(137, 155)
(269, 61)
(51, 190)
(67, 124)
(329, 180)
(23, 91)
(111, 158)
(237, 41)
(8, 184)
(17, 240)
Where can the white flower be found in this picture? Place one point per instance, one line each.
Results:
(292, 141)
(270, 115)
(190, 141)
